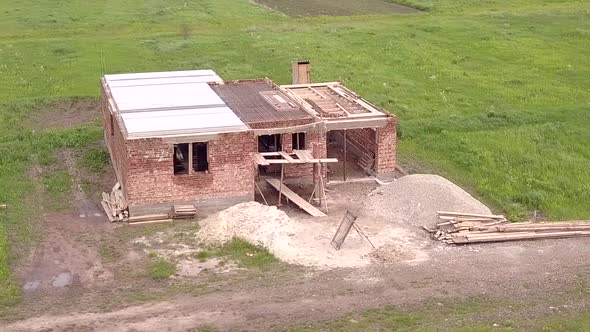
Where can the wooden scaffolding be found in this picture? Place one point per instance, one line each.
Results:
(297, 157)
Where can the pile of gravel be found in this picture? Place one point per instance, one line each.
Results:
(414, 199)
(256, 223)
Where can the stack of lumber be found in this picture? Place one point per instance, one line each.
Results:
(114, 204)
(459, 228)
(183, 212)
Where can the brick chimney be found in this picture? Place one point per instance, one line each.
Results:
(301, 72)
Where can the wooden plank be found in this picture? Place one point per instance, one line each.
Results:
(535, 229)
(301, 155)
(283, 161)
(310, 156)
(492, 216)
(328, 160)
(150, 222)
(107, 211)
(259, 159)
(288, 157)
(472, 238)
(343, 230)
(266, 154)
(148, 217)
(298, 200)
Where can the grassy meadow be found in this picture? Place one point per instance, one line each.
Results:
(493, 94)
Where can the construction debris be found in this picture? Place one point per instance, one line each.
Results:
(460, 228)
(114, 204)
(183, 211)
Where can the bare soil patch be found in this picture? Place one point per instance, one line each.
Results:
(104, 291)
(68, 254)
(306, 241)
(336, 7)
(391, 216)
(67, 113)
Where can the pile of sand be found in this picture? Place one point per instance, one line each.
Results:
(256, 223)
(391, 217)
(414, 199)
(302, 241)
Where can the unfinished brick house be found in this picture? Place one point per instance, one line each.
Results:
(189, 137)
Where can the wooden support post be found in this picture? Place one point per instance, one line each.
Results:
(261, 194)
(344, 161)
(190, 158)
(323, 198)
(315, 180)
(281, 184)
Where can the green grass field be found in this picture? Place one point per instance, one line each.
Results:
(493, 94)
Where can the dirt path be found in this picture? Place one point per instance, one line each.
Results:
(542, 271)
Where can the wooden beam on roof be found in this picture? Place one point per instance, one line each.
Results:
(288, 86)
(283, 130)
(356, 123)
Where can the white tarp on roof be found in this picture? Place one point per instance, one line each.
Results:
(184, 121)
(146, 97)
(171, 103)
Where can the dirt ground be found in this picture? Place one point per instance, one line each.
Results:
(67, 113)
(87, 274)
(90, 275)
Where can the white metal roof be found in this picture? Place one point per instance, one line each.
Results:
(171, 103)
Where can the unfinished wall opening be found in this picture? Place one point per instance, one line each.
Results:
(269, 143)
(200, 157)
(112, 123)
(181, 158)
(190, 157)
(298, 140)
(356, 148)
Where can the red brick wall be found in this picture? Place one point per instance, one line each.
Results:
(314, 141)
(115, 143)
(151, 178)
(385, 156)
(364, 139)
